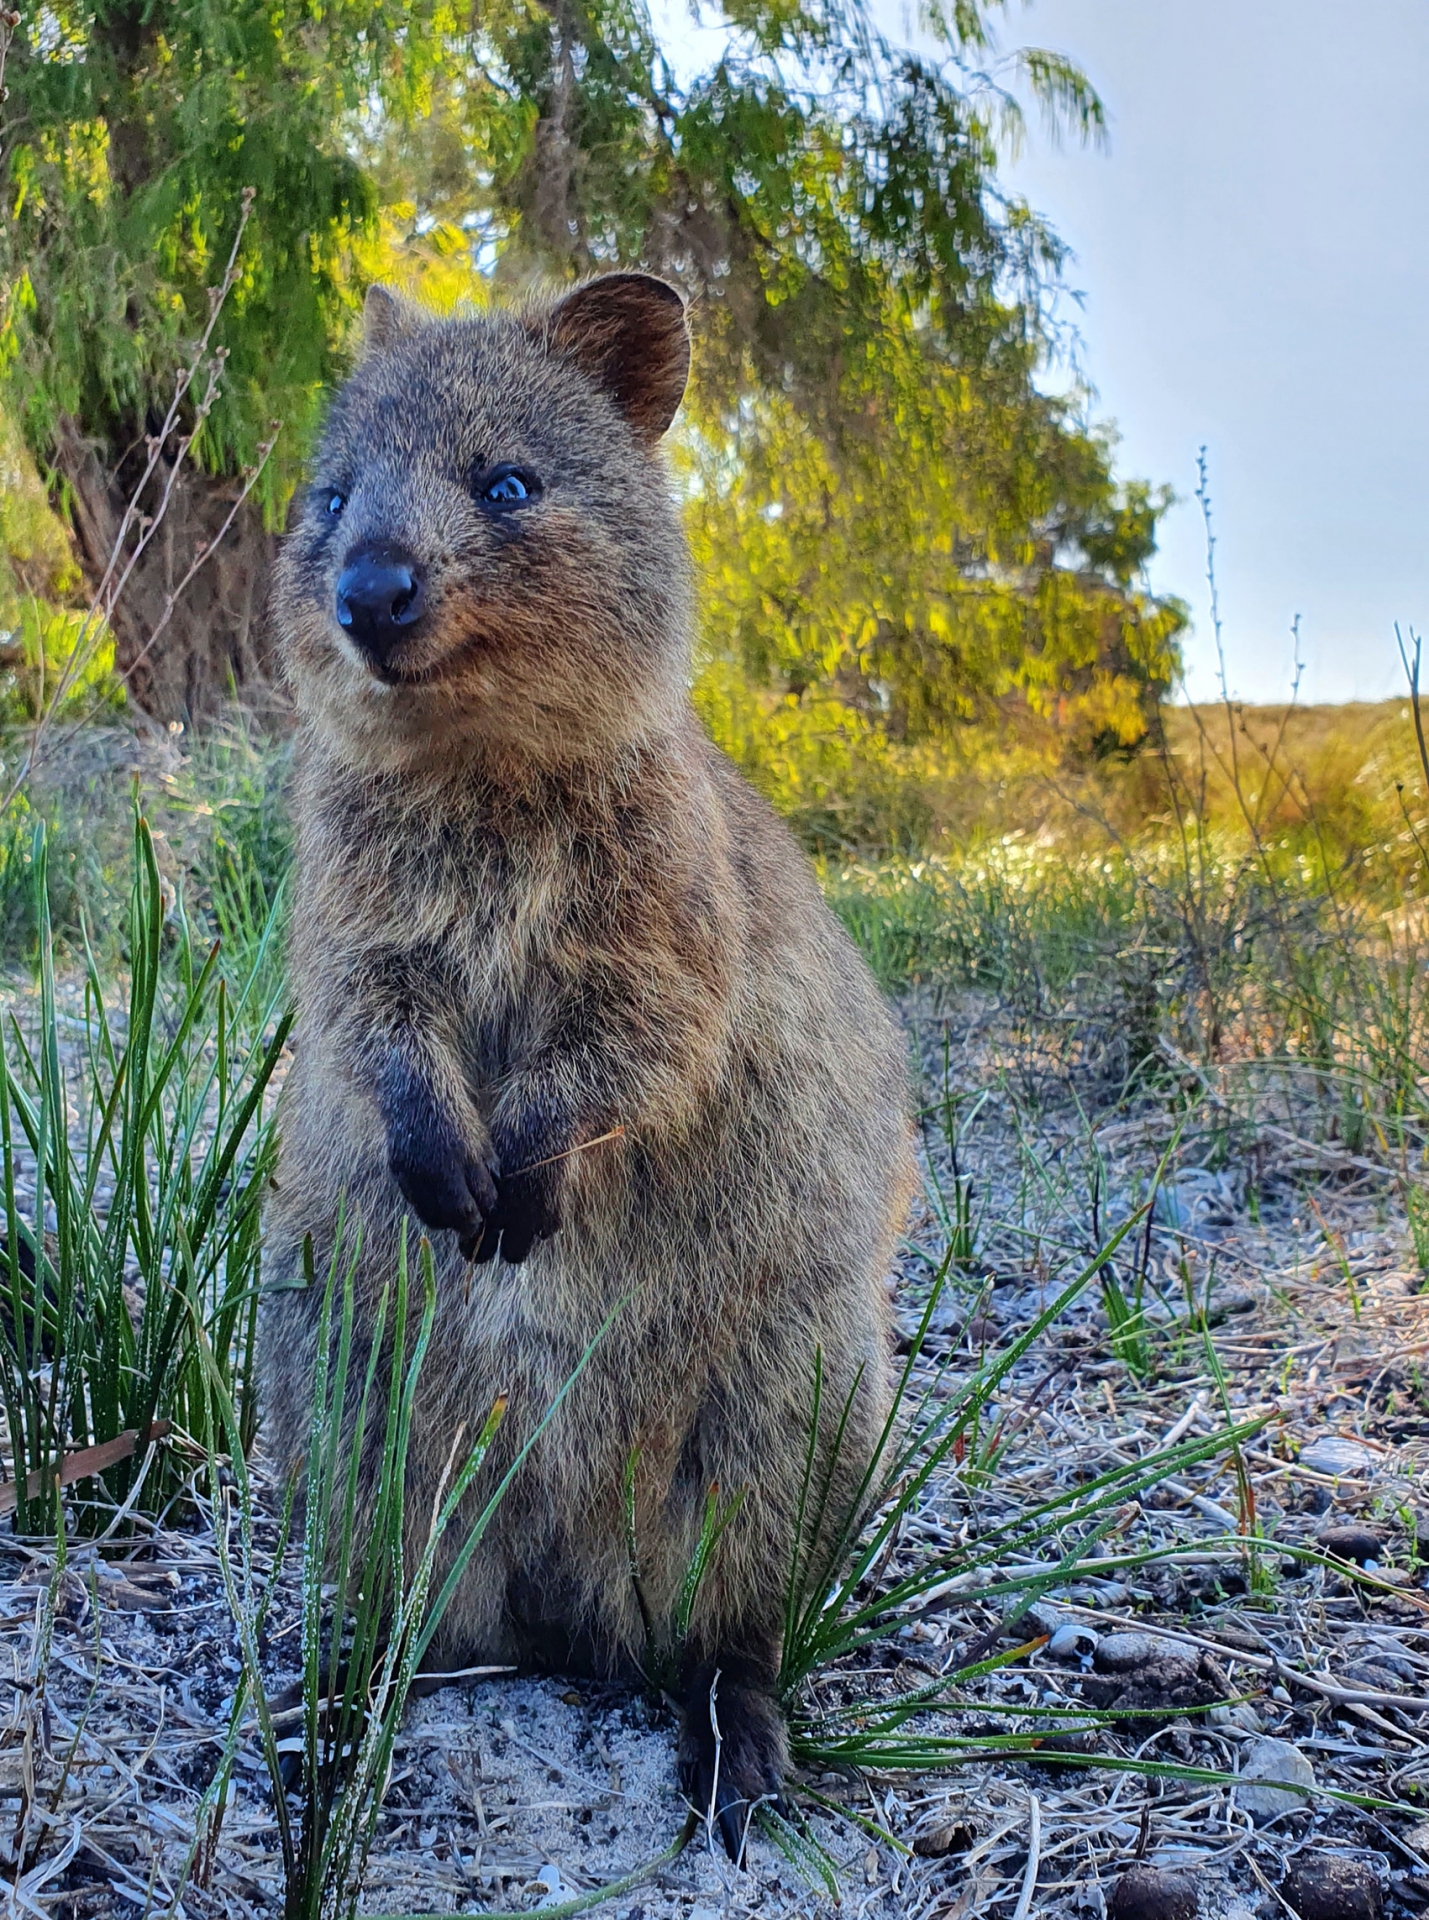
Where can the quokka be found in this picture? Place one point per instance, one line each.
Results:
(568, 994)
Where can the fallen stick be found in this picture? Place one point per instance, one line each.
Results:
(1034, 1858)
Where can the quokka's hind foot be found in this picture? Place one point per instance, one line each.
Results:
(733, 1751)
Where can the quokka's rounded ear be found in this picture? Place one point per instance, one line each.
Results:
(628, 334)
(387, 317)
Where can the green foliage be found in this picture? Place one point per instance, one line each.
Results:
(366, 1612)
(1416, 1201)
(897, 535)
(150, 1275)
(369, 1607)
(43, 641)
(1167, 957)
(666, 1640)
(957, 1213)
(129, 137)
(220, 833)
(38, 579)
(87, 846)
(900, 535)
(830, 769)
(239, 869)
(1018, 917)
(960, 560)
(35, 555)
(1127, 1325)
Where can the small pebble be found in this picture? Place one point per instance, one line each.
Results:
(548, 1879)
(1146, 1893)
(1042, 1617)
(1351, 1543)
(1223, 1305)
(1327, 1886)
(1240, 1714)
(1071, 1642)
(1267, 1762)
(1195, 1197)
(1332, 1454)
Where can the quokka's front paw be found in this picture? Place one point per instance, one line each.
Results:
(447, 1185)
(529, 1161)
(525, 1212)
(733, 1755)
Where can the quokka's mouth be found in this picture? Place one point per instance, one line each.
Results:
(388, 676)
(393, 674)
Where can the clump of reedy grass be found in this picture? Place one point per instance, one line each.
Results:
(133, 1268)
(370, 1605)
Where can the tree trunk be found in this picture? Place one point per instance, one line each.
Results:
(214, 645)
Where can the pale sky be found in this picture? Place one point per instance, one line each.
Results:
(1252, 252)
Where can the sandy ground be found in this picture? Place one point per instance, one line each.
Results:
(516, 1793)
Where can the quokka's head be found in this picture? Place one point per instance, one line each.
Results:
(488, 550)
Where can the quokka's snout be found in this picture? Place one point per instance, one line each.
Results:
(380, 600)
(570, 1002)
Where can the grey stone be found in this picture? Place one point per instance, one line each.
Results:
(1266, 1763)
(1238, 1714)
(1195, 1198)
(1043, 1616)
(1124, 1652)
(1332, 1454)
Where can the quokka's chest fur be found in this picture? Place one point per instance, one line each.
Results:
(532, 907)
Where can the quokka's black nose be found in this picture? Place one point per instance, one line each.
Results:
(379, 598)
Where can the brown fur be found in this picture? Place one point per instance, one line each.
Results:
(533, 904)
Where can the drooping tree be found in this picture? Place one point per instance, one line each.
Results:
(893, 520)
(900, 535)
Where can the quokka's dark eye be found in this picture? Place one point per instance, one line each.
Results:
(336, 502)
(507, 486)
